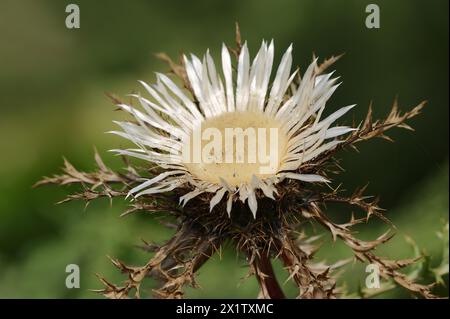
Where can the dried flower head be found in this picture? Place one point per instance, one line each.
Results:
(254, 113)
(237, 158)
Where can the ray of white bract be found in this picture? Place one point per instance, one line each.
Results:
(164, 123)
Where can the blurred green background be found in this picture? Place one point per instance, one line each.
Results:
(52, 84)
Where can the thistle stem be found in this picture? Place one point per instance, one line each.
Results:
(267, 280)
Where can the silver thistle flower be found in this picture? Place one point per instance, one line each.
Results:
(167, 124)
(248, 101)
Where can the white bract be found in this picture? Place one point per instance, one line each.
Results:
(166, 124)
